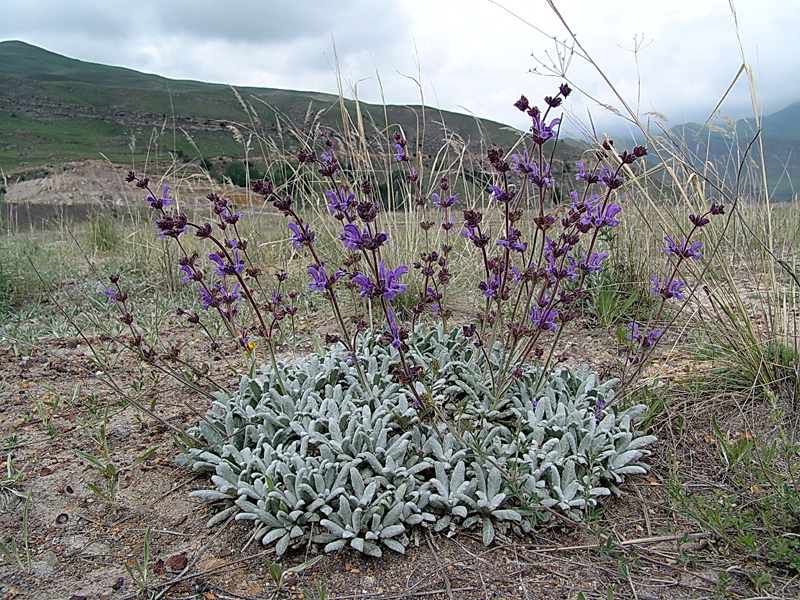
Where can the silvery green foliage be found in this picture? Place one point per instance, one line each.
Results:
(360, 466)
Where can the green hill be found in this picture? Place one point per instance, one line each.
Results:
(54, 108)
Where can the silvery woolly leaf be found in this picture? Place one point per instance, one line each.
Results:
(506, 515)
(393, 544)
(494, 482)
(442, 523)
(357, 481)
(282, 545)
(392, 531)
(334, 528)
(334, 546)
(488, 532)
(623, 459)
(273, 535)
(222, 515)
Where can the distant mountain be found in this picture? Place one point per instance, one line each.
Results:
(56, 108)
(728, 148)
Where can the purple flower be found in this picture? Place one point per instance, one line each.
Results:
(340, 202)
(401, 153)
(229, 297)
(668, 290)
(112, 295)
(653, 337)
(170, 226)
(351, 236)
(541, 131)
(161, 202)
(329, 164)
(691, 252)
(701, 221)
(354, 239)
(544, 180)
(321, 281)
(191, 274)
(444, 203)
(609, 179)
(583, 205)
(543, 318)
(209, 297)
(390, 280)
(491, 286)
(599, 405)
(582, 174)
(512, 241)
(593, 265)
(302, 235)
(366, 285)
(634, 334)
(612, 210)
(224, 268)
(479, 240)
(526, 165)
(229, 217)
(244, 341)
(499, 195)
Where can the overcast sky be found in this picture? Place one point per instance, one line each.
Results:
(469, 55)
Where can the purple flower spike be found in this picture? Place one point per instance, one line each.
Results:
(512, 242)
(673, 290)
(366, 285)
(340, 202)
(541, 131)
(351, 236)
(321, 281)
(693, 251)
(543, 318)
(161, 202)
(302, 236)
(390, 280)
(593, 265)
(491, 286)
(444, 203)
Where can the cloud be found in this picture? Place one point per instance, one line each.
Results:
(470, 55)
